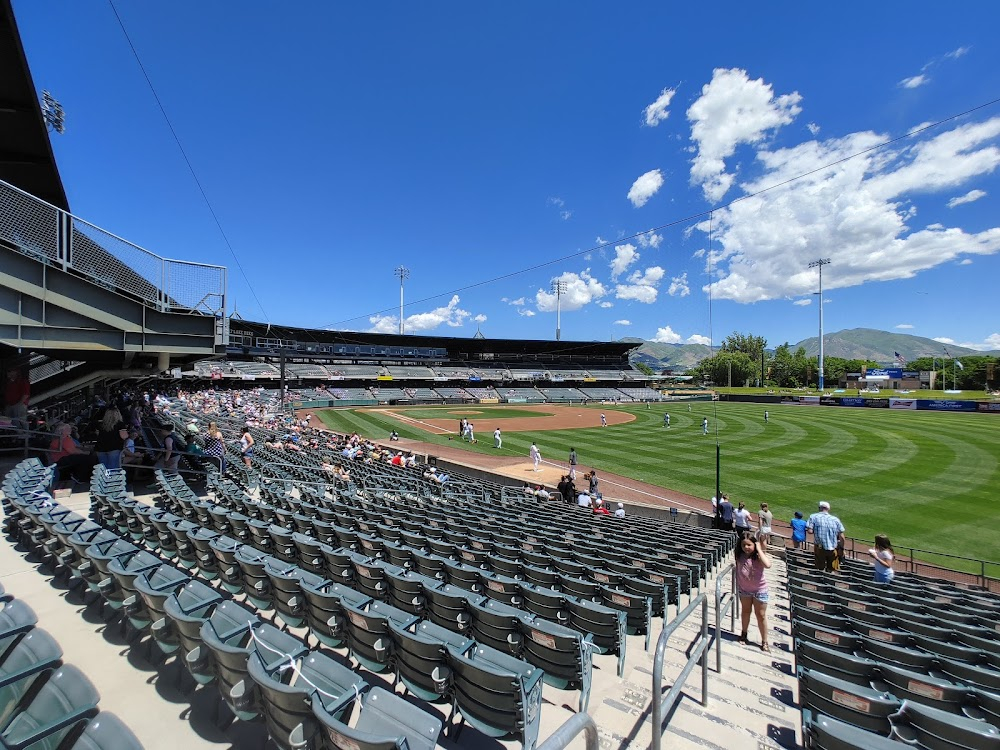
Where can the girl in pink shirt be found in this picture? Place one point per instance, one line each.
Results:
(751, 562)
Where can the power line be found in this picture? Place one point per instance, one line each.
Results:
(675, 222)
(187, 161)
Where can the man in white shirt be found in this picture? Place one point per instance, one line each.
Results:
(535, 455)
(620, 512)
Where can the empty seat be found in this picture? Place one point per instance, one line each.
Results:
(498, 625)
(607, 626)
(286, 583)
(420, 657)
(34, 653)
(386, 722)
(368, 632)
(856, 669)
(824, 733)
(497, 693)
(224, 548)
(909, 685)
(184, 612)
(448, 606)
(107, 732)
(928, 728)
(66, 700)
(406, 590)
(563, 655)
(324, 610)
(289, 689)
(16, 618)
(860, 706)
(124, 569)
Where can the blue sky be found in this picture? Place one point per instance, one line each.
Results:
(494, 148)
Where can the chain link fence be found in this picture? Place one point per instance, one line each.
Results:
(48, 234)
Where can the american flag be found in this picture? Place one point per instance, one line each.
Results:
(901, 359)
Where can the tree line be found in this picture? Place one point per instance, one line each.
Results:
(743, 360)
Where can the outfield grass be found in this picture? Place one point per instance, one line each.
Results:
(473, 412)
(928, 480)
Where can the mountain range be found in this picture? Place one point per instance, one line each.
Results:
(852, 343)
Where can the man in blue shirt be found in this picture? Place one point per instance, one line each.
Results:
(828, 534)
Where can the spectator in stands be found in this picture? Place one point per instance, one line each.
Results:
(751, 562)
(215, 447)
(593, 482)
(563, 488)
(584, 500)
(828, 534)
(130, 456)
(541, 493)
(883, 558)
(599, 509)
(246, 448)
(742, 520)
(798, 524)
(620, 511)
(726, 514)
(765, 517)
(397, 460)
(69, 457)
(111, 436)
(17, 392)
(171, 456)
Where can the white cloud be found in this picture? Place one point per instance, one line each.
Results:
(914, 82)
(581, 290)
(605, 304)
(957, 53)
(480, 318)
(855, 212)
(451, 315)
(989, 343)
(659, 111)
(732, 110)
(698, 253)
(645, 187)
(515, 302)
(904, 326)
(649, 239)
(697, 338)
(625, 256)
(969, 197)
(622, 323)
(552, 201)
(965, 262)
(803, 302)
(666, 335)
(813, 128)
(641, 286)
(565, 215)
(526, 313)
(679, 286)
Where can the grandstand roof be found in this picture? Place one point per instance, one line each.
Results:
(26, 158)
(454, 345)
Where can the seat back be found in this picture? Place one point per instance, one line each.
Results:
(368, 632)
(860, 706)
(858, 670)
(564, 655)
(933, 729)
(907, 684)
(107, 732)
(824, 733)
(16, 618)
(66, 700)
(498, 694)
(324, 610)
(387, 722)
(420, 656)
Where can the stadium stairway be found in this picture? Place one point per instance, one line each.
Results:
(752, 703)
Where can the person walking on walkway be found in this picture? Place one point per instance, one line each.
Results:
(572, 463)
(828, 534)
(751, 562)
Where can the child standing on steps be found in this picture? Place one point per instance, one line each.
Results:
(751, 562)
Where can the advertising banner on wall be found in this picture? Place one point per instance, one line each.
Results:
(852, 401)
(892, 373)
(877, 403)
(947, 405)
(902, 403)
(990, 408)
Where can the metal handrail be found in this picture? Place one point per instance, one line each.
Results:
(699, 652)
(579, 722)
(723, 603)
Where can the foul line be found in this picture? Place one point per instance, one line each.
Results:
(411, 420)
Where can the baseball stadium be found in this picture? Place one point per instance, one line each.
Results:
(230, 533)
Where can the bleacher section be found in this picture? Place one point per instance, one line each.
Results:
(614, 375)
(388, 393)
(412, 372)
(521, 394)
(497, 374)
(424, 394)
(917, 660)
(562, 394)
(602, 394)
(642, 394)
(360, 371)
(452, 373)
(305, 371)
(483, 393)
(459, 394)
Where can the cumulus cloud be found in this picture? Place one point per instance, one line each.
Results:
(625, 256)
(622, 323)
(855, 212)
(679, 286)
(526, 312)
(480, 318)
(581, 290)
(450, 315)
(943, 340)
(914, 82)
(519, 302)
(645, 187)
(641, 286)
(732, 110)
(649, 239)
(697, 338)
(965, 262)
(904, 326)
(969, 197)
(802, 302)
(659, 110)
(666, 335)
(565, 215)
(813, 128)
(605, 304)
(990, 343)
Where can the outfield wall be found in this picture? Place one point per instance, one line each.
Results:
(910, 404)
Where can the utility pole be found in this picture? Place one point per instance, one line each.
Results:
(403, 273)
(819, 264)
(559, 289)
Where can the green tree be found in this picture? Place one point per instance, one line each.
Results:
(643, 368)
(722, 366)
(750, 345)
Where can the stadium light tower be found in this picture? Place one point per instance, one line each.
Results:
(819, 264)
(53, 113)
(558, 289)
(403, 273)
